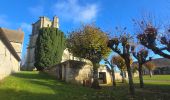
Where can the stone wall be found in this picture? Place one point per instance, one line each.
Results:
(77, 72)
(8, 63)
(108, 74)
(17, 47)
(72, 71)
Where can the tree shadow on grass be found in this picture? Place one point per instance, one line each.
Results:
(30, 75)
(66, 91)
(74, 92)
(11, 94)
(164, 88)
(149, 92)
(153, 91)
(58, 90)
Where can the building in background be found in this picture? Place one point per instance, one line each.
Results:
(10, 51)
(162, 66)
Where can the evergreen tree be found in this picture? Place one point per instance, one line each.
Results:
(49, 47)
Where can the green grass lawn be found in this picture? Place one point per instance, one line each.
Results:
(160, 82)
(40, 86)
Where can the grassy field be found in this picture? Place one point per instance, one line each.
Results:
(40, 86)
(156, 83)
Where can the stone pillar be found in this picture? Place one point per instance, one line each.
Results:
(55, 22)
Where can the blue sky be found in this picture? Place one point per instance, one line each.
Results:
(107, 14)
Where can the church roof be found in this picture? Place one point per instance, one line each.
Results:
(13, 35)
(6, 38)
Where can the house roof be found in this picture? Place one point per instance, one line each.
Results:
(6, 38)
(159, 62)
(13, 35)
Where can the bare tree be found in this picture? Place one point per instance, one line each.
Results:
(141, 58)
(113, 72)
(121, 45)
(150, 66)
(153, 37)
(120, 63)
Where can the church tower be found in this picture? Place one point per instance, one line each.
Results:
(42, 22)
(55, 22)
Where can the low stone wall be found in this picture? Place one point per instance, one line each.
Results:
(72, 71)
(52, 71)
(78, 72)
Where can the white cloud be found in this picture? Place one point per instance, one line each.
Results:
(26, 27)
(74, 11)
(37, 10)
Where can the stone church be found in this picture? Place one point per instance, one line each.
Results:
(10, 51)
(42, 22)
(71, 69)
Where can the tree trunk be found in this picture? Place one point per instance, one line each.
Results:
(123, 76)
(140, 76)
(40, 68)
(95, 83)
(113, 77)
(150, 73)
(131, 84)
